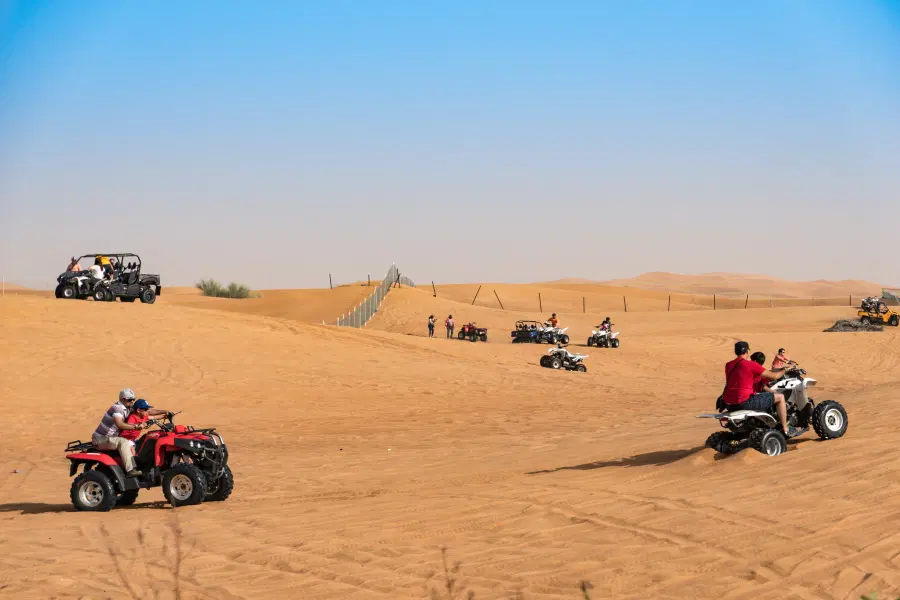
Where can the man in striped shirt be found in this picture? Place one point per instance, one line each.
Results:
(106, 436)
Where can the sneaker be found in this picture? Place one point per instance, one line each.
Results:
(134, 473)
(793, 432)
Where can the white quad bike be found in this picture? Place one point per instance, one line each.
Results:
(552, 335)
(604, 338)
(762, 430)
(560, 358)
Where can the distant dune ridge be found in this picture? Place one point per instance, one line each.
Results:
(738, 284)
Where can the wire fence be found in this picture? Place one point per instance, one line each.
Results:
(365, 310)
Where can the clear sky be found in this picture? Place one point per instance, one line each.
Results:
(271, 143)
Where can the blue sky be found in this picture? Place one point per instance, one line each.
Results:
(274, 142)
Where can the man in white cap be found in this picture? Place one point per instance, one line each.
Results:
(106, 436)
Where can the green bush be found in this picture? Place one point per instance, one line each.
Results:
(211, 287)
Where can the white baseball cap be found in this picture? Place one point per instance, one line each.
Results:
(126, 394)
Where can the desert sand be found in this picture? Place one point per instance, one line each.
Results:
(358, 454)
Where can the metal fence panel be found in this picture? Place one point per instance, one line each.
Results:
(367, 309)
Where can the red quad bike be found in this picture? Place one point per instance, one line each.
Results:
(190, 464)
(473, 333)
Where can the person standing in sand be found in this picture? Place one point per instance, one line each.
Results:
(430, 325)
(449, 324)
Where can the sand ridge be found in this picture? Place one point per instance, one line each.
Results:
(359, 453)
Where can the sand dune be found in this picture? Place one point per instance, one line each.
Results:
(740, 284)
(359, 453)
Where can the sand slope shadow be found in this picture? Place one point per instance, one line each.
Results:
(40, 508)
(660, 458)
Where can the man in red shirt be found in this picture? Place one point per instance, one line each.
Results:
(739, 388)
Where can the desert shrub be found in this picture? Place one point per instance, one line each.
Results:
(211, 287)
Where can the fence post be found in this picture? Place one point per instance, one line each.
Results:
(583, 306)
(625, 303)
(746, 301)
(714, 302)
(434, 289)
(669, 309)
(498, 300)
(476, 294)
(369, 278)
(851, 300)
(331, 287)
(540, 303)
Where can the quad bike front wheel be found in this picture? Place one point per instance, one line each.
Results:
(127, 498)
(581, 368)
(615, 342)
(768, 441)
(483, 337)
(184, 485)
(148, 296)
(894, 321)
(564, 339)
(555, 363)
(67, 292)
(829, 420)
(93, 491)
(224, 487)
(590, 342)
(461, 335)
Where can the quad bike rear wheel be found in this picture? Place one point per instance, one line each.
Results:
(184, 485)
(148, 296)
(768, 441)
(93, 491)
(894, 321)
(127, 498)
(590, 342)
(545, 361)
(224, 486)
(722, 442)
(866, 321)
(829, 420)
